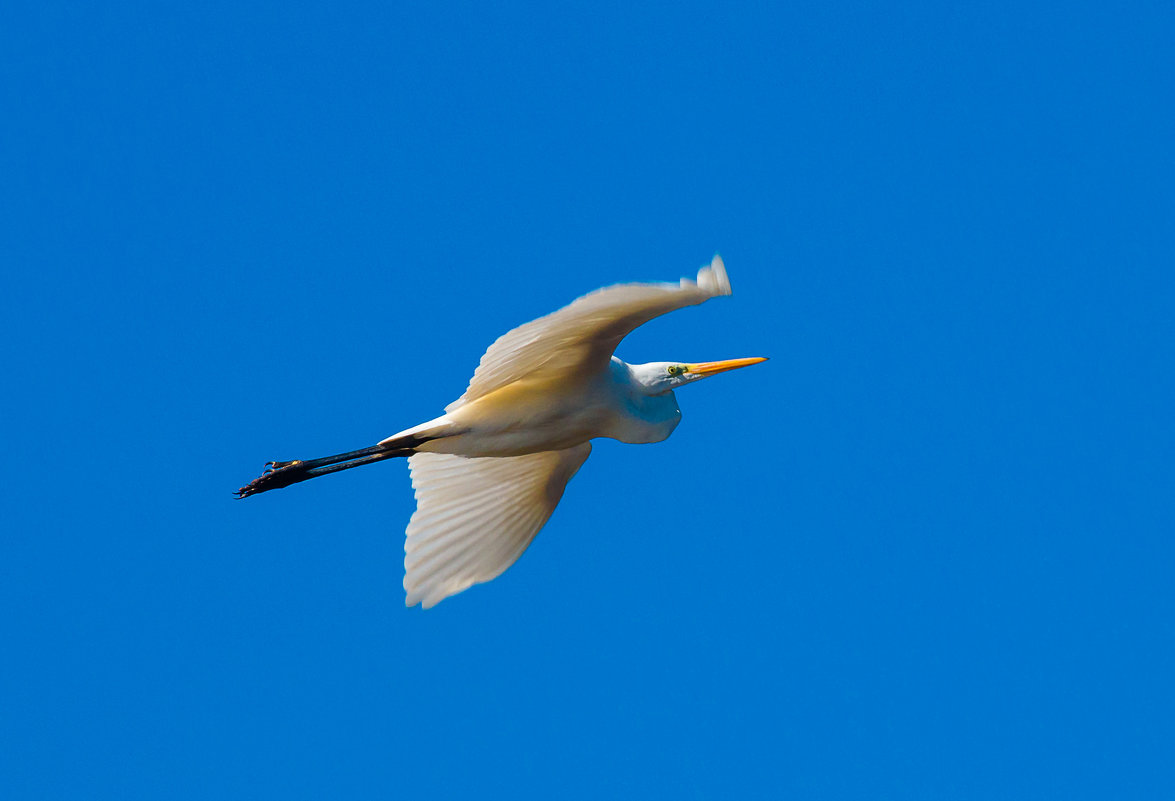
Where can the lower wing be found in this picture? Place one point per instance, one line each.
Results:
(475, 517)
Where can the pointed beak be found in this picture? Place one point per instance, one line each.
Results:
(710, 368)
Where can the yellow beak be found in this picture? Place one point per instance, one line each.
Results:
(710, 368)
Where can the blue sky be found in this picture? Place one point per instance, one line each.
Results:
(924, 552)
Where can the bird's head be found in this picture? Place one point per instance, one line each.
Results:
(656, 378)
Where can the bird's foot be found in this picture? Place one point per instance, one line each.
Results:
(275, 476)
(272, 466)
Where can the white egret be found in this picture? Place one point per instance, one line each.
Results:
(491, 469)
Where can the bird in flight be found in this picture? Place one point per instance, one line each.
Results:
(491, 469)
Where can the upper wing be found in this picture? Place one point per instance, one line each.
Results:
(588, 329)
(475, 517)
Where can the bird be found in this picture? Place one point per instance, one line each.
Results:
(489, 472)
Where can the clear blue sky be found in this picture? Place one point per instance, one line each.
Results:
(923, 553)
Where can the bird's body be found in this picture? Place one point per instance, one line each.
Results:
(548, 413)
(490, 470)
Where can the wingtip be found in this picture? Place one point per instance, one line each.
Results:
(713, 277)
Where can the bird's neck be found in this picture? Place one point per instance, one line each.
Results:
(646, 418)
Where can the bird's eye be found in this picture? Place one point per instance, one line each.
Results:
(676, 369)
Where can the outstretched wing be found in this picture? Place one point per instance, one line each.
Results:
(587, 330)
(475, 517)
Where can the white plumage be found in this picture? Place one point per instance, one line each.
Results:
(587, 330)
(489, 472)
(475, 516)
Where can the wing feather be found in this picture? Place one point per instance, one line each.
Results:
(587, 330)
(475, 517)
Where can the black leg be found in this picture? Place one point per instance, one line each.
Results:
(283, 474)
